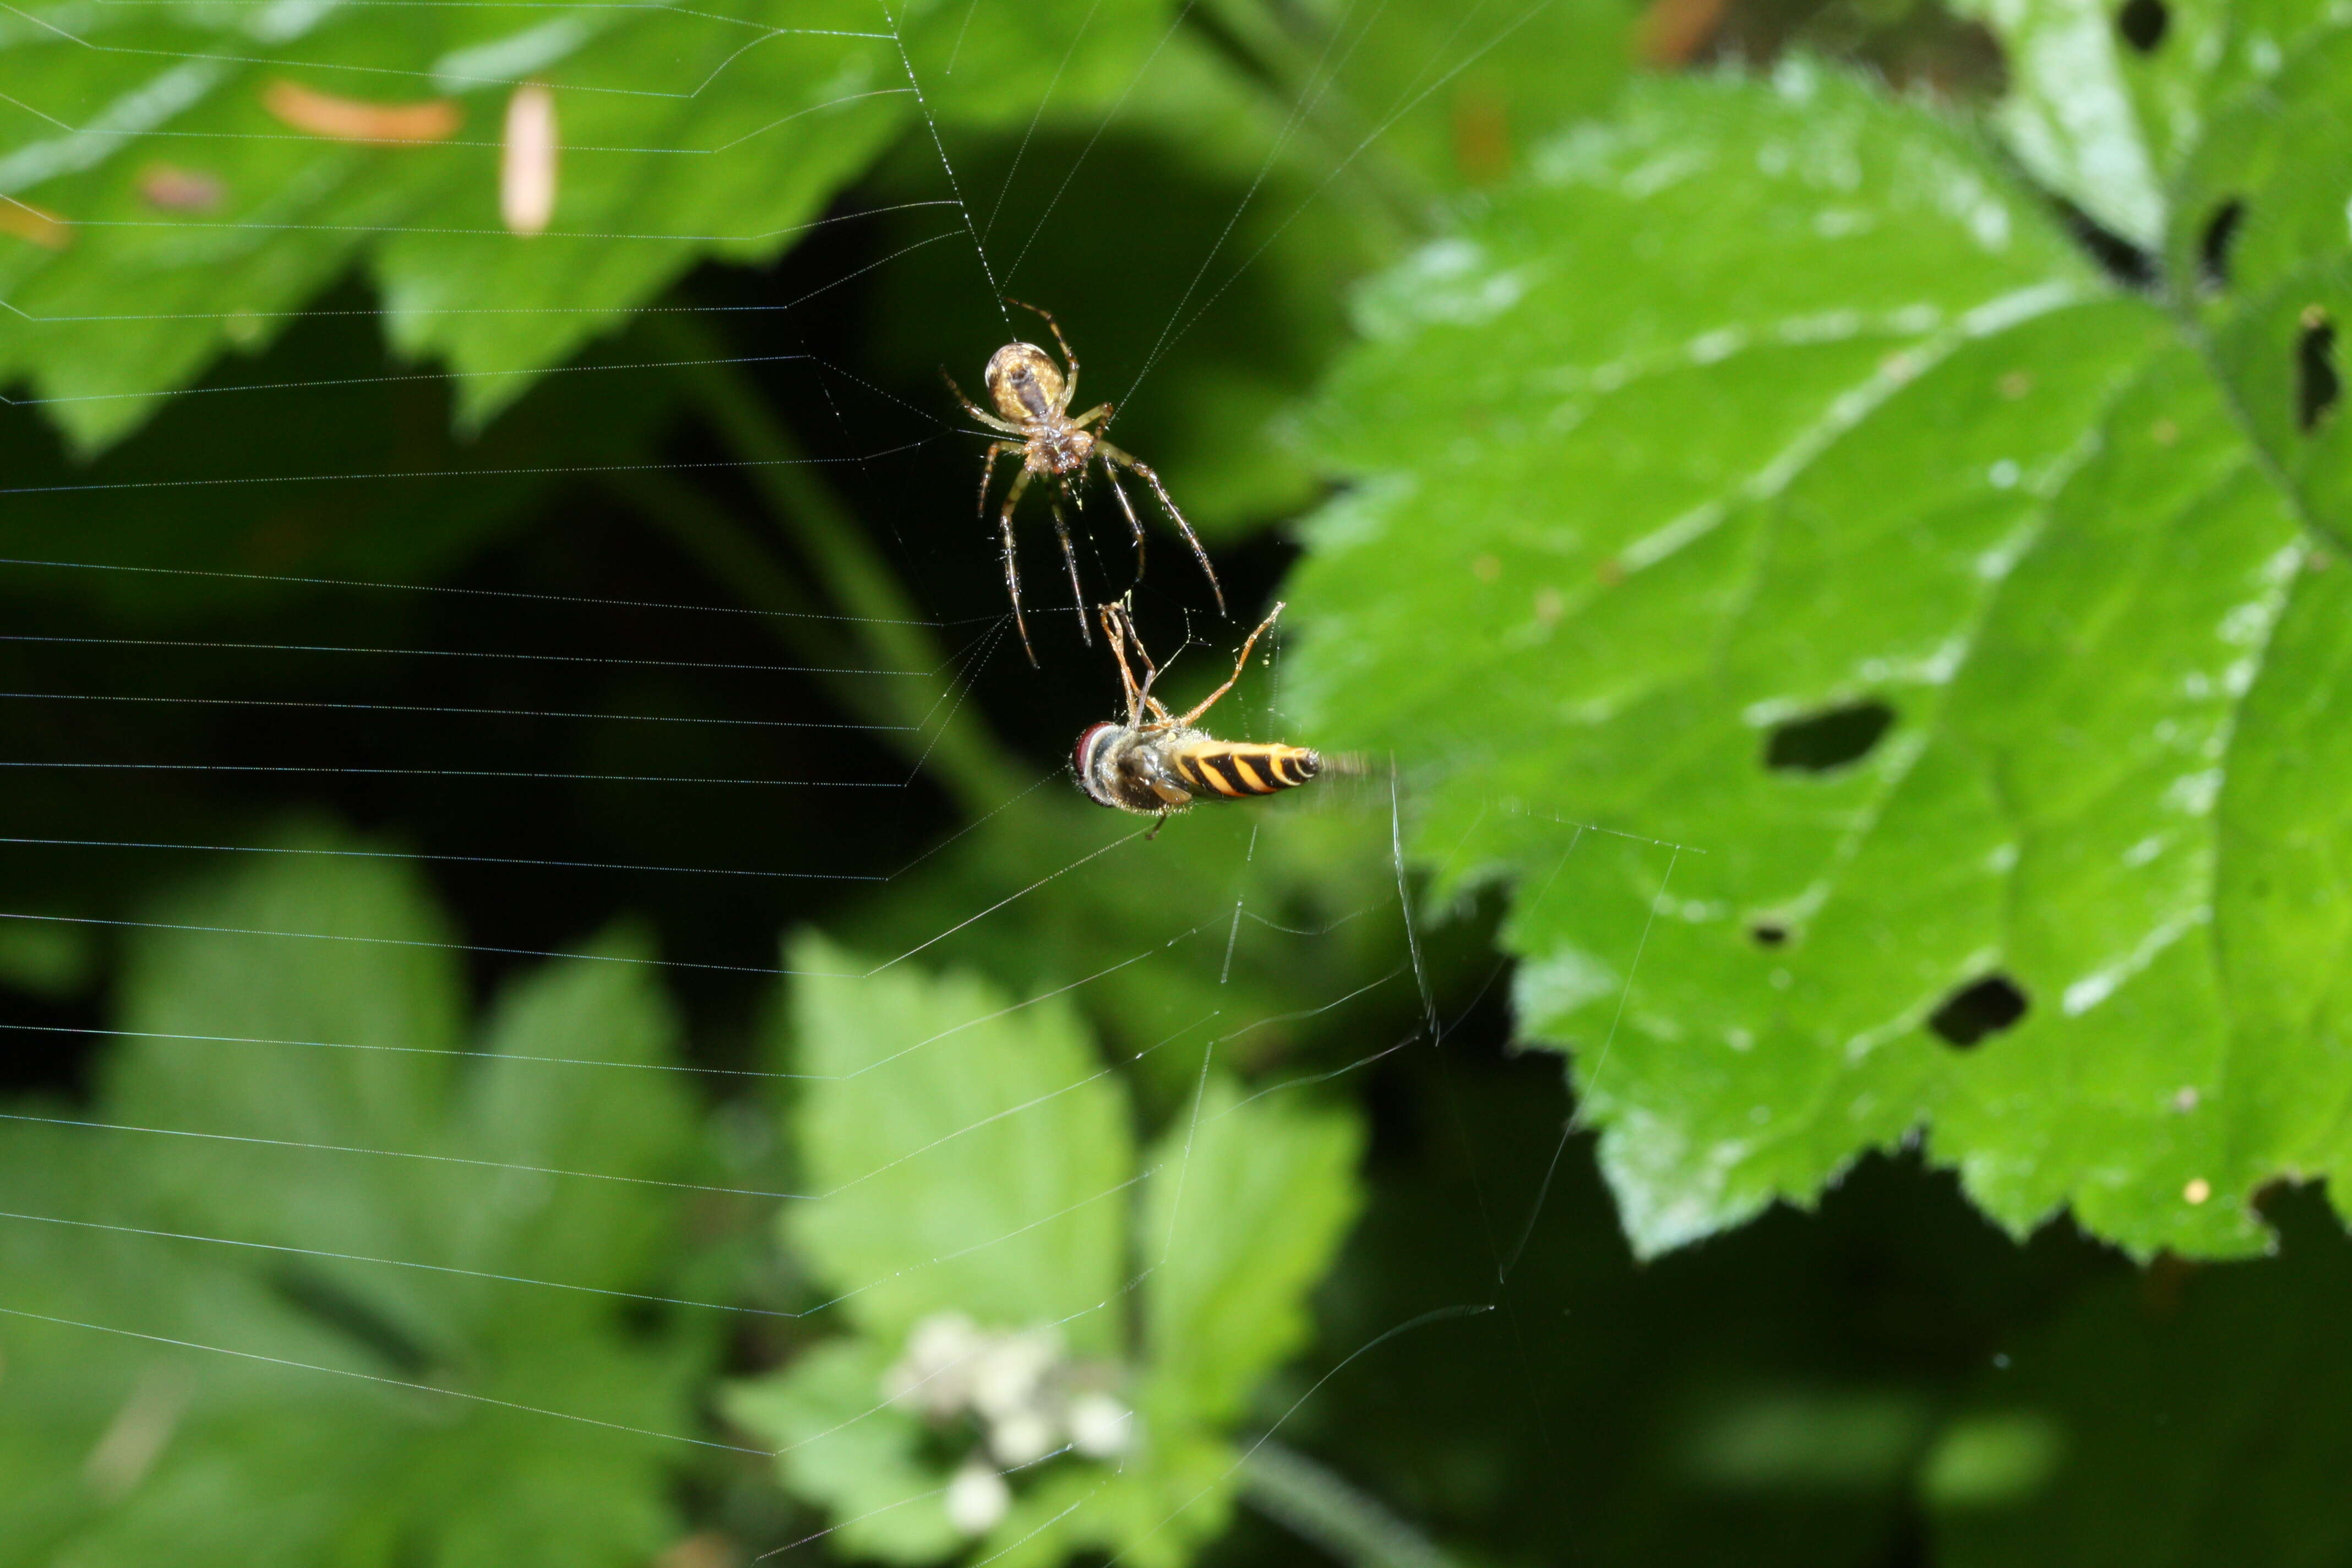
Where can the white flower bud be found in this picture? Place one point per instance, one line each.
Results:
(1009, 1378)
(977, 1499)
(1100, 1426)
(935, 1374)
(1020, 1437)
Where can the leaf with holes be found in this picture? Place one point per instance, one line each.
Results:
(1772, 472)
(977, 1218)
(295, 1321)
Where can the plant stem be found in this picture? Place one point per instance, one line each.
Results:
(928, 720)
(1285, 53)
(1317, 1505)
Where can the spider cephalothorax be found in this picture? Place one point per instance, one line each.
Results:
(1032, 396)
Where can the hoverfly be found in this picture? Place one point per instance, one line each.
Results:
(1157, 763)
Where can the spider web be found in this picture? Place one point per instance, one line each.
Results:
(896, 693)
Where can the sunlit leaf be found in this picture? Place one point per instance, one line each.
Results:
(971, 1165)
(1920, 579)
(1248, 1200)
(944, 1121)
(200, 173)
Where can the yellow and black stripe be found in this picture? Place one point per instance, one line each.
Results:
(1236, 770)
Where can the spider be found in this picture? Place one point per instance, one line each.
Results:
(1033, 395)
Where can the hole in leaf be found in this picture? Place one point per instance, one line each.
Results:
(2143, 24)
(2316, 383)
(2125, 262)
(2213, 249)
(1831, 738)
(1769, 934)
(1980, 1008)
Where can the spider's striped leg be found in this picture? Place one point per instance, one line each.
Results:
(1127, 507)
(1070, 555)
(975, 409)
(988, 469)
(1012, 565)
(1127, 460)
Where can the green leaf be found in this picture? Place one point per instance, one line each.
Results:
(2070, 114)
(196, 219)
(838, 1444)
(241, 1437)
(324, 398)
(970, 1157)
(960, 1151)
(1249, 1200)
(2266, 245)
(1250, 911)
(1936, 591)
(2106, 101)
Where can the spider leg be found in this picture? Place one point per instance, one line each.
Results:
(1070, 556)
(1150, 670)
(975, 410)
(1210, 701)
(1012, 566)
(988, 470)
(1134, 524)
(1115, 630)
(1127, 460)
(1069, 383)
(1099, 411)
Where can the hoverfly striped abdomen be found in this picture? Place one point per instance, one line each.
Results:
(1157, 762)
(1236, 769)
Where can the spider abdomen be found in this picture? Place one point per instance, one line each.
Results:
(1024, 383)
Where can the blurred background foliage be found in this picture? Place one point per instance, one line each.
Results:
(1991, 346)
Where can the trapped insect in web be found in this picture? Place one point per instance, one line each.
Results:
(1157, 762)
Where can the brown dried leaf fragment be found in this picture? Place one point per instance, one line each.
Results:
(356, 119)
(26, 221)
(178, 189)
